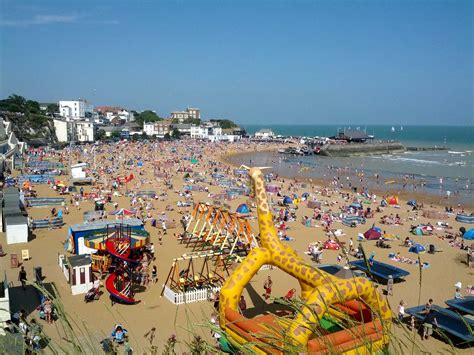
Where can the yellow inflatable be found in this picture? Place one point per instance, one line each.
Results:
(321, 293)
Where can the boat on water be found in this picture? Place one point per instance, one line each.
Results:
(393, 129)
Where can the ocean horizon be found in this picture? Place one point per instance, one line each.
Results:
(451, 136)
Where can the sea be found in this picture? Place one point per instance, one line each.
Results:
(448, 174)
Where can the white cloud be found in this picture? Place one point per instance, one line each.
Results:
(38, 20)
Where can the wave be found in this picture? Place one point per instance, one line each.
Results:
(413, 160)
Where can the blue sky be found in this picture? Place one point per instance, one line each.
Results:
(296, 62)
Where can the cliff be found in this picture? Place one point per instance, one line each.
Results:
(34, 129)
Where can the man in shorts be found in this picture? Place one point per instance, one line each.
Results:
(428, 322)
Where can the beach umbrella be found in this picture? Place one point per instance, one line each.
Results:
(243, 208)
(469, 235)
(372, 234)
(287, 200)
(411, 203)
(417, 249)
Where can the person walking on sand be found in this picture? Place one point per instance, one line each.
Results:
(267, 286)
(22, 277)
(390, 285)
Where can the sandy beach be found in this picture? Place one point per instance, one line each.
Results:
(446, 267)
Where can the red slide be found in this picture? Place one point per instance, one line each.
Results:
(110, 286)
(112, 246)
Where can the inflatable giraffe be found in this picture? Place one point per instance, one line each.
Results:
(319, 289)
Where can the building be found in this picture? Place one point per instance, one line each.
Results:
(265, 133)
(63, 129)
(204, 130)
(190, 113)
(78, 272)
(183, 128)
(111, 112)
(194, 113)
(75, 109)
(84, 131)
(352, 135)
(179, 115)
(159, 128)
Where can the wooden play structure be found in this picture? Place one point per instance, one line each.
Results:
(217, 229)
(192, 276)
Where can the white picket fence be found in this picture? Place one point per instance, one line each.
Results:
(189, 296)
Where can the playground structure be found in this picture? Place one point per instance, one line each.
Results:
(215, 228)
(194, 275)
(354, 303)
(119, 249)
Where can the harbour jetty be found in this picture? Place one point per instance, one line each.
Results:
(366, 148)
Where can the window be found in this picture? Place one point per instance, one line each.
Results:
(73, 277)
(82, 273)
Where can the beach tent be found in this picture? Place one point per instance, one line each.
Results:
(287, 200)
(243, 208)
(417, 231)
(393, 200)
(305, 195)
(194, 161)
(355, 205)
(417, 249)
(123, 212)
(469, 235)
(372, 234)
(411, 203)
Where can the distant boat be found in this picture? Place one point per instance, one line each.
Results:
(401, 128)
(393, 129)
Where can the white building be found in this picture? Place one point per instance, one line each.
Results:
(75, 109)
(77, 270)
(63, 129)
(159, 128)
(265, 133)
(84, 131)
(205, 130)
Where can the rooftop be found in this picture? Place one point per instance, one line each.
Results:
(135, 222)
(79, 260)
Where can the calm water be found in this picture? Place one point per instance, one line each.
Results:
(455, 137)
(433, 172)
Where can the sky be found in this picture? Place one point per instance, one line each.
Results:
(262, 62)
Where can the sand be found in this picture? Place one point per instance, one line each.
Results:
(447, 267)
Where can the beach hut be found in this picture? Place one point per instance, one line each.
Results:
(372, 234)
(77, 270)
(243, 208)
(417, 249)
(469, 235)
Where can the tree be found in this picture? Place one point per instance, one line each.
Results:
(224, 124)
(144, 135)
(147, 116)
(99, 135)
(51, 109)
(167, 137)
(115, 134)
(14, 103)
(176, 134)
(33, 106)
